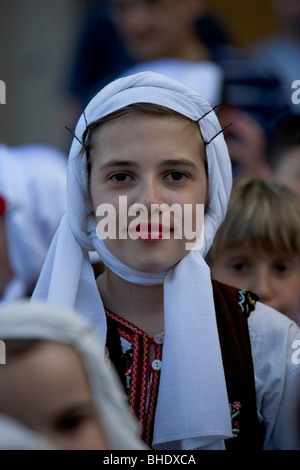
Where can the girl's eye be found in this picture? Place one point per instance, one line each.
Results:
(286, 266)
(176, 176)
(70, 422)
(120, 177)
(239, 266)
(281, 268)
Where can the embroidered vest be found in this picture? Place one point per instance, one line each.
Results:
(233, 308)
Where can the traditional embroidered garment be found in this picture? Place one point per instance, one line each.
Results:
(140, 371)
(137, 358)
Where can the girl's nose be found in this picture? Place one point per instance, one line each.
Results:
(262, 284)
(149, 192)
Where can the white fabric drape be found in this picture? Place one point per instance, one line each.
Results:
(192, 408)
(33, 184)
(16, 436)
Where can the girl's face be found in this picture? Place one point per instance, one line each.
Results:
(275, 278)
(150, 160)
(47, 389)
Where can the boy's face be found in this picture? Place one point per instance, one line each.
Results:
(150, 160)
(47, 390)
(275, 278)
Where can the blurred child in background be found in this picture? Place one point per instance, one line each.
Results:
(257, 247)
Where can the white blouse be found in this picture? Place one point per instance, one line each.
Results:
(275, 341)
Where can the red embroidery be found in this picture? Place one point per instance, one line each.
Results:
(143, 380)
(2, 205)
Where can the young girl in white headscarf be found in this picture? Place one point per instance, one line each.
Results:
(56, 389)
(205, 366)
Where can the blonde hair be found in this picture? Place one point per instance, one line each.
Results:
(261, 212)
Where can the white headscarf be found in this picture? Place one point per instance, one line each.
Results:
(38, 320)
(33, 185)
(192, 407)
(16, 436)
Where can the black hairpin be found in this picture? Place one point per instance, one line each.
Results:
(74, 135)
(86, 125)
(212, 109)
(218, 133)
(83, 112)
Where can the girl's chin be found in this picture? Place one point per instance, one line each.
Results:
(152, 266)
(149, 268)
(149, 260)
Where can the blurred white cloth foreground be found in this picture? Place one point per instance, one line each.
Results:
(37, 320)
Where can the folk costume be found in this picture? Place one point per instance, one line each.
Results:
(196, 416)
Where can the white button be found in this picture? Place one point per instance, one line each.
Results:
(159, 338)
(156, 364)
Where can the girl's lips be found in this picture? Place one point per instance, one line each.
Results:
(150, 231)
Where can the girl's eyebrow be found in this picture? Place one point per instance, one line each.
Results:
(179, 162)
(166, 163)
(117, 163)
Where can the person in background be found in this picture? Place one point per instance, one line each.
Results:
(257, 247)
(281, 51)
(247, 140)
(57, 391)
(187, 41)
(32, 202)
(98, 56)
(165, 36)
(283, 152)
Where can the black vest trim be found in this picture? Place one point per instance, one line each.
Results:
(233, 307)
